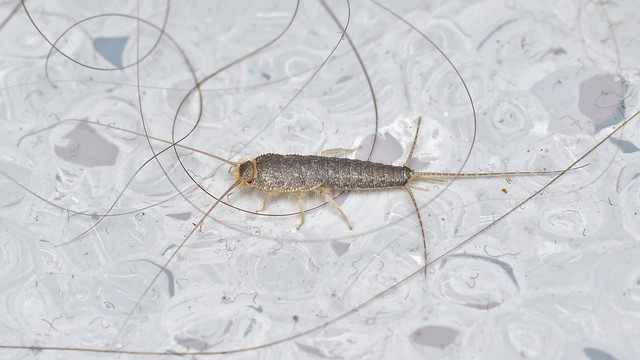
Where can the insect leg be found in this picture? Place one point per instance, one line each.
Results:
(267, 198)
(336, 151)
(412, 181)
(334, 204)
(418, 187)
(424, 238)
(301, 205)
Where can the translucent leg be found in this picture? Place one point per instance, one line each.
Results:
(301, 205)
(267, 198)
(335, 205)
(336, 151)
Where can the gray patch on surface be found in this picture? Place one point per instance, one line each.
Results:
(168, 273)
(557, 51)
(111, 48)
(315, 351)
(180, 216)
(192, 343)
(487, 306)
(435, 336)
(625, 146)
(602, 100)
(87, 148)
(597, 354)
(340, 248)
(388, 149)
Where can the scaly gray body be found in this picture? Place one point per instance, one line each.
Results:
(291, 173)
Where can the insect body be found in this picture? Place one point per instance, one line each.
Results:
(302, 174)
(293, 173)
(299, 174)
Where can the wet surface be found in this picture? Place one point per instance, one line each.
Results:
(553, 280)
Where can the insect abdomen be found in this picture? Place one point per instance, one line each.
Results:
(289, 173)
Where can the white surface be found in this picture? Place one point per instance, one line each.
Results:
(558, 278)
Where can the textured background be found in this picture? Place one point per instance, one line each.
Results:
(558, 278)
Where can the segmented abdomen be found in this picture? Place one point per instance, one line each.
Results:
(289, 173)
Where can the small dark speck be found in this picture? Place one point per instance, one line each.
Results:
(296, 318)
(558, 51)
(504, 190)
(344, 78)
(266, 76)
